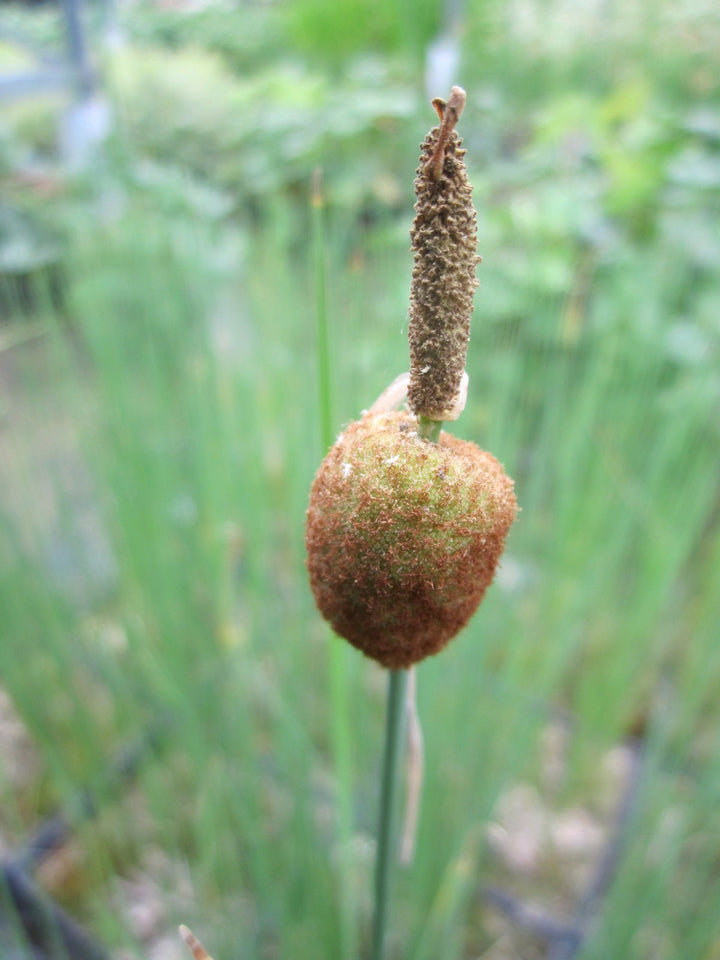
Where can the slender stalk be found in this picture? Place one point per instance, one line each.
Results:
(342, 760)
(397, 686)
(339, 700)
(394, 729)
(323, 338)
(429, 429)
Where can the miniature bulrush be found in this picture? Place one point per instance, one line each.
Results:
(404, 534)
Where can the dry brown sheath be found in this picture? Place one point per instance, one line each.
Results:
(193, 944)
(444, 242)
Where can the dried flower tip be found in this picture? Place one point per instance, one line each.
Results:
(449, 112)
(194, 945)
(444, 242)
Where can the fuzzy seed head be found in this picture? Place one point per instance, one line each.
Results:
(444, 242)
(403, 536)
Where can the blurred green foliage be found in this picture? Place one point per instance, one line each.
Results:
(266, 132)
(151, 552)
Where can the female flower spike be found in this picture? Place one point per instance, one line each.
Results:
(444, 242)
(404, 534)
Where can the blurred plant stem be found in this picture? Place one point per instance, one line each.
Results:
(429, 429)
(397, 686)
(323, 340)
(339, 701)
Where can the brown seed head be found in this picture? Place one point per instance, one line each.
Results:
(403, 536)
(444, 242)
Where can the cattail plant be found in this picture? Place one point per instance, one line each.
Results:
(406, 523)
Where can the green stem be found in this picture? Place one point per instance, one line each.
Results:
(394, 729)
(429, 429)
(341, 737)
(383, 864)
(323, 338)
